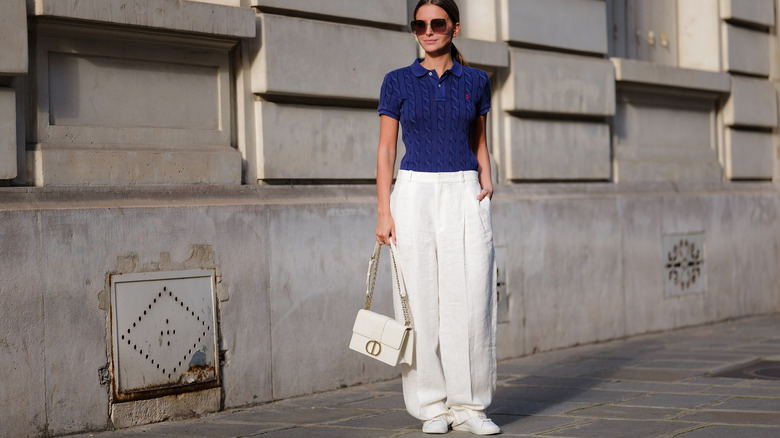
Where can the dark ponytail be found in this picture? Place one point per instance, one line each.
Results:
(451, 8)
(456, 55)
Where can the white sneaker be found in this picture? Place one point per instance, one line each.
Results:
(478, 425)
(436, 425)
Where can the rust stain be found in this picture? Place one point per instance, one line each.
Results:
(198, 373)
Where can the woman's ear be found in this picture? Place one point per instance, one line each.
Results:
(456, 30)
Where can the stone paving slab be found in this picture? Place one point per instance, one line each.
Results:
(627, 412)
(657, 385)
(526, 425)
(749, 404)
(732, 431)
(675, 400)
(733, 417)
(620, 429)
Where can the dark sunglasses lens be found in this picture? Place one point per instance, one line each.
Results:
(418, 27)
(439, 25)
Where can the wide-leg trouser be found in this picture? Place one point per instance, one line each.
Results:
(445, 245)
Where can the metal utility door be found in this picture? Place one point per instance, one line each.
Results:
(164, 333)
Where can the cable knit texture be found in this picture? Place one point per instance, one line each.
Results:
(436, 114)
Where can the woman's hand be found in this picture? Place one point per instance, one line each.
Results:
(385, 229)
(485, 192)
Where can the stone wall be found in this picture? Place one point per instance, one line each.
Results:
(635, 181)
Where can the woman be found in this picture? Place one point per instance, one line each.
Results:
(439, 217)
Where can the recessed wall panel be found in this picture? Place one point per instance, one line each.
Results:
(96, 91)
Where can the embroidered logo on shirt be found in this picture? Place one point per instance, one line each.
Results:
(468, 97)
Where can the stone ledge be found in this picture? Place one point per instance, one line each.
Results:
(647, 73)
(377, 11)
(48, 165)
(170, 15)
(63, 197)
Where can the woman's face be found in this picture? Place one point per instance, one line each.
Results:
(430, 41)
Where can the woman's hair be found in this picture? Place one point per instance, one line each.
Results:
(451, 8)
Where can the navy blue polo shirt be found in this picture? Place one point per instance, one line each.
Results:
(436, 114)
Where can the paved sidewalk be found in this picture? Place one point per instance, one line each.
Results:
(648, 386)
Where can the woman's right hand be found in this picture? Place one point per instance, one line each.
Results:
(385, 229)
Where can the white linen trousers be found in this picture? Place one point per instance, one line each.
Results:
(445, 245)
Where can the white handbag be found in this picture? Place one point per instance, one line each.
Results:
(379, 336)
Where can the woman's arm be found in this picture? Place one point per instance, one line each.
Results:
(479, 146)
(385, 165)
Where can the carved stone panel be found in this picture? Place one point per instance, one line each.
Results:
(684, 270)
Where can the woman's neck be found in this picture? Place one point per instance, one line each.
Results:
(440, 63)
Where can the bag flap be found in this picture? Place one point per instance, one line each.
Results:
(381, 328)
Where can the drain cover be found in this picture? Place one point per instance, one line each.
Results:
(758, 369)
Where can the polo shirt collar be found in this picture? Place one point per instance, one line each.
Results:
(420, 71)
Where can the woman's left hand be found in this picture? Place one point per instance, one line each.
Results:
(483, 193)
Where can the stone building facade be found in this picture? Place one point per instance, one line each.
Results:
(205, 166)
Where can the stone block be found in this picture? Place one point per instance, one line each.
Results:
(579, 25)
(483, 53)
(753, 102)
(159, 110)
(337, 143)
(554, 83)
(557, 150)
(170, 407)
(665, 138)
(7, 133)
(22, 355)
(326, 60)
(745, 50)
(757, 12)
(698, 31)
(650, 74)
(749, 155)
(13, 38)
(479, 20)
(167, 15)
(378, 11)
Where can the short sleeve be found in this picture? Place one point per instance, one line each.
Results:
(389, 97)
(484, 94)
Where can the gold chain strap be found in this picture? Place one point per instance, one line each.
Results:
(407, 320)
(375, 263)
(370, 295)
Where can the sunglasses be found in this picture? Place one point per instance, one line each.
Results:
(438, 25)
